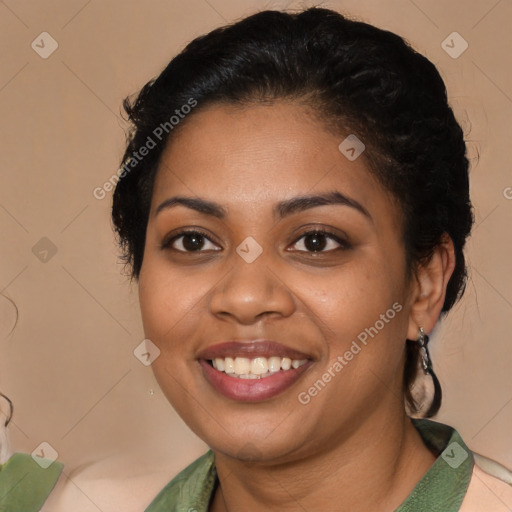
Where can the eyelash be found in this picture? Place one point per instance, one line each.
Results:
(167, 244)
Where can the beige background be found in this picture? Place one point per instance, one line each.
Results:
(69, 366)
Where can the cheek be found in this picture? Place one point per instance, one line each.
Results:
(363, 314)
(357, 296)
(169, 302)
(169, 308)
(363, 321)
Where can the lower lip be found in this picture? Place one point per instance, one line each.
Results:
(252, 390)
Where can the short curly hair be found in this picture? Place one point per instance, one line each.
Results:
(357, 79)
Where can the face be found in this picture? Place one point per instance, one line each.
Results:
(271, 255)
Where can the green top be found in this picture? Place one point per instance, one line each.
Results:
(442, 488)
(25, 484)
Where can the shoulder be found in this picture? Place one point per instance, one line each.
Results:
(490, 487)
(126, 482)
(89, 490)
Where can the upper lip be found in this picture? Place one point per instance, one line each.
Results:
(251, 349)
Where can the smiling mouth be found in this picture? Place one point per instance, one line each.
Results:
(252, 370)
(255, 368)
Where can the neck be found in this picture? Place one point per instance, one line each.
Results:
(375, 468)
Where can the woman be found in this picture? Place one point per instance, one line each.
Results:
(294, 203)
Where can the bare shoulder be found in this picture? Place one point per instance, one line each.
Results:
(490, 488)
(109, 485)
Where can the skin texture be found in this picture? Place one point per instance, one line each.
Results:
(279, 454)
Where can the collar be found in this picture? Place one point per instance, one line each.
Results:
(442, 487)
(24, 484)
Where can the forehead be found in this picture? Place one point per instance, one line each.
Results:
(260, 154)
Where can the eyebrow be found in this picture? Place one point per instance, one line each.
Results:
(281, 210)
(301, 203)
(194, 203)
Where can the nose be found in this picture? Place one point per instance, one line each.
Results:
(250, 292)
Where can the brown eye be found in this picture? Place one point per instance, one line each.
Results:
(190, 241)
(319, 241)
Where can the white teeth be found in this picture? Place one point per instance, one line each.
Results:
(259, 367)
(242, 365)
(229, 365)
(274, 364)
(286, 363)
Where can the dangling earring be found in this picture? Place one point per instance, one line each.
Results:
(420, 345)
(427, 368)
(425, 356)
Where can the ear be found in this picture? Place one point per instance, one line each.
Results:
(429, 288)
